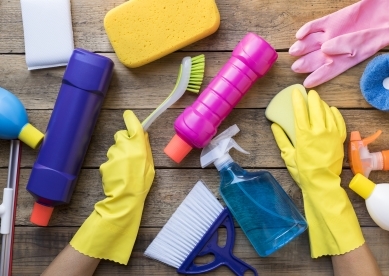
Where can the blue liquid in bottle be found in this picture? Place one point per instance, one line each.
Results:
(264, 211)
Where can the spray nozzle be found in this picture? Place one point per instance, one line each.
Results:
(220, 146)
(361, 159)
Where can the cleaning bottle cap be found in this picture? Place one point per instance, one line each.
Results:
(41, 214)
(219, 147)
(385, 157)
(31, 136)
(362, 185)
(361, 159)
(177, 149)
(256, 52)
(89, 71)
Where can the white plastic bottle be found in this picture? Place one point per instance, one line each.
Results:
(376, 196)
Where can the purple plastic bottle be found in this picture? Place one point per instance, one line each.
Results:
(195, 127)
(54, 174)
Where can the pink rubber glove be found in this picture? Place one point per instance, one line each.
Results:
(365, 14)
(341, 53)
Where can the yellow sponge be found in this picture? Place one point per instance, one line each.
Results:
(142, 31)
(280, 110)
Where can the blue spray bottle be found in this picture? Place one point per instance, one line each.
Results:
(264, 211)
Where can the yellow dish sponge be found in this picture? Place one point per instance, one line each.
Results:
(142, 31)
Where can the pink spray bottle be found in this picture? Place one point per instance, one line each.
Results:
(251, 59)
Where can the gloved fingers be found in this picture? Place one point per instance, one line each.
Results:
(316, 110)
(336, 23)
(308, 44)
(330, 123)
(339, 45)
(125, 144)
(282, 140)
(345, 51)
(310, 62)
(148, 148)
(359, 45)
(300, 110)
(314, 26)
(134, 127)
(287, 151)
(128, 158)
(150, 161)
(115, 150)
(334, 67)
(340, 123)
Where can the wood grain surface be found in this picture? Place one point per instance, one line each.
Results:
(294, 259)
(143, 89)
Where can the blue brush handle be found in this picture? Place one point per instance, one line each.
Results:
(209, 245)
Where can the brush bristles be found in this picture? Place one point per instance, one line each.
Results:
(186, 227)
(196, 74)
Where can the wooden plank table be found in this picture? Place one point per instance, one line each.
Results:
(142, 90)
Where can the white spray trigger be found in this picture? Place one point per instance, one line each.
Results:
(228, 133)
(219, 146)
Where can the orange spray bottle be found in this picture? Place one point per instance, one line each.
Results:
(361, 159)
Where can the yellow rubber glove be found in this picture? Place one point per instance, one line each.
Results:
(110, 231)
(315, 163)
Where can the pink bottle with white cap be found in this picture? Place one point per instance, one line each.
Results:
(195, 127)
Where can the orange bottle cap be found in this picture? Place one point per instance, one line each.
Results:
(385, 157)
(41, 214)
(177, 149)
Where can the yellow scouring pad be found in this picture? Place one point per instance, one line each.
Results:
(280, 110)
(142, 31)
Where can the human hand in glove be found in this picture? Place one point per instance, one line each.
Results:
(110, 231)
(315, 163)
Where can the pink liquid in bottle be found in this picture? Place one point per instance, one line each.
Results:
(195, 127)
